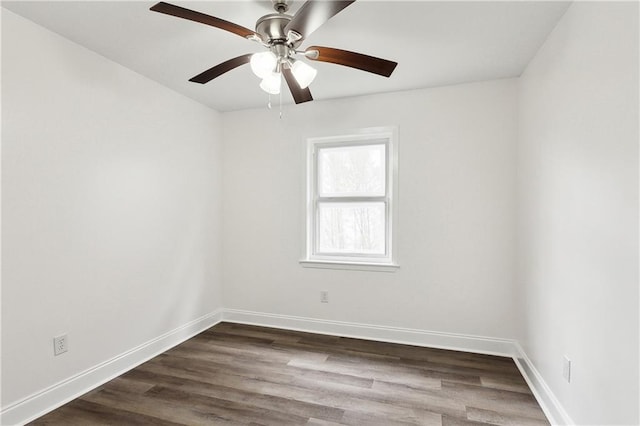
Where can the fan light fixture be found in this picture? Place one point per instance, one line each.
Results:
(263, 63)
(303, 73)
(266, 65)
(282, 35)
(271, 83)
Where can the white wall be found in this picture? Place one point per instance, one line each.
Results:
(578, 211)
(112, 210)
(111, 189)
(457, 212)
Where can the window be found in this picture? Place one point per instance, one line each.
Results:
(351, 208)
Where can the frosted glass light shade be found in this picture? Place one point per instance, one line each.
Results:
(303, 73)
(263, 63)
(271, 83)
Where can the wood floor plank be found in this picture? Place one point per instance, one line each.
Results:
(427, 401)
(235, 374)
(455, 421)
(319, 422)
(390, 373)
(149, 406)
(359, 418)
(470, 371)
(502, 419)
(303, 347)
(517, 384)
(81, 413)
(497, 400)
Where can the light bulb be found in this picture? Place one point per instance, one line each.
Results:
(303, 73)
(263, 63)
(271, 83)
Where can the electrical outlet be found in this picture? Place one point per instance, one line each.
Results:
(60, 344)
(566, 368)
(324, 296)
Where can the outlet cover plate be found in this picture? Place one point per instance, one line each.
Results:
(60, 344)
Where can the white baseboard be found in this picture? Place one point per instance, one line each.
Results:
(552, 408)
(407, 336)
(40, 403)
(59, 394)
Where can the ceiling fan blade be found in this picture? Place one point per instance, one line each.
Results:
(313, 14)
(220, 69)
(299, 94)
(192, 15)
(351, 59)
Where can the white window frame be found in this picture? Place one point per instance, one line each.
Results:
(368, 136)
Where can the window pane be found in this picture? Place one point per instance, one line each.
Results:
(351, 228)
(352, 171)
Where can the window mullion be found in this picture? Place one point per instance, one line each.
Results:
(381, 199)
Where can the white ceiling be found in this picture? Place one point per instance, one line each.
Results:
(435, 43)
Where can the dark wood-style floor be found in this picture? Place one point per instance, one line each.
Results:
(246, 375)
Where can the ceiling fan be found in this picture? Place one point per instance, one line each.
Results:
(282, 34)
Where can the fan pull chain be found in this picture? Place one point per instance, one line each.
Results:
(269, 101)
(281, 105)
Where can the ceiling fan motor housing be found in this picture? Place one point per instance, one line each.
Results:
(271, 29)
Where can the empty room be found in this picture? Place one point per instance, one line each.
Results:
(291, 212)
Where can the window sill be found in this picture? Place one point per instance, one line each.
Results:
(354, 266)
